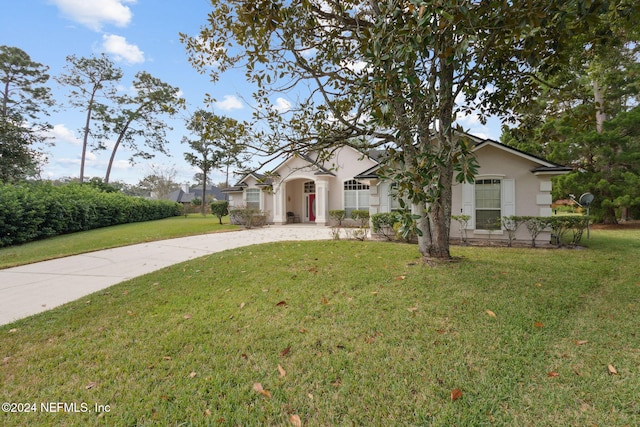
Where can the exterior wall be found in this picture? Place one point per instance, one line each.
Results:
(532, 194)
(289, 187)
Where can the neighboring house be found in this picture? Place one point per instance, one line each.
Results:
(185, 194)
(508, 182)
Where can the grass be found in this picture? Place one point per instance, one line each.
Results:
(364, 333)
(110, 237)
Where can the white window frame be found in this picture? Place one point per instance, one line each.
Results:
(251, 203)
(507, 200)
(360, 192)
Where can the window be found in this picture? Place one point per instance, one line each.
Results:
(394, 199)
(309, 187)
(488, 204)
(356, 196)
(253, 198)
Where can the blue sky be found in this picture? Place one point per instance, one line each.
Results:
(137, 35)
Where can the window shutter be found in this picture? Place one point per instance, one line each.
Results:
(467, 203)
(508, 197)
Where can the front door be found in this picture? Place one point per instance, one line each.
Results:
(312, 207)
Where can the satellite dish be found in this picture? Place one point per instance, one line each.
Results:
(586, 199)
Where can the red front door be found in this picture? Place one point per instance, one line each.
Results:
(312, 207)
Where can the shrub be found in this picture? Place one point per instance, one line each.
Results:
(361, 216)
(247, 217)
(383, 224)
(220, 208)
(562, 224)
(463, 220)
(511, 225)
(38, 210)
(338, 214)
(535, 226)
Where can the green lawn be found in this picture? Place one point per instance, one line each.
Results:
(110, 237)
(345, 333)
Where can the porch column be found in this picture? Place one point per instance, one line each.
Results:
(279, 200)
(322, 201)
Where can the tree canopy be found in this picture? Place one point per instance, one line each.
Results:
(392, 75)
(585, 116)
(214, 137)
(25, 100)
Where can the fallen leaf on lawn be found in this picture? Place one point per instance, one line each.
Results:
(187, 316)
(295, 420)
(166, 358)
(91, 385)
(258, 387)
(325, 301)
(538, 324)
(412, 309)
(192, 375)
(581, 342)
(400, 277)
(553, 374)
(612, 370)
(285, 351)
(282, 371)
(281, 303)
(456, 394)
(491, 313)
(337, 383)
(310, 396)
(241, 306)
(207, 412)
(539, 285)
(374, 293)
(303, 331)
(125, 293)
(11, 331)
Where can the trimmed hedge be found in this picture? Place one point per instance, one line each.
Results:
(35, 211)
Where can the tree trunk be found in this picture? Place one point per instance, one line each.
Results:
(435, 222)
(601, 117)
(204, 191)
(85, 139)
(115, 149)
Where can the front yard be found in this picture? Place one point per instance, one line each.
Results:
(344, 333)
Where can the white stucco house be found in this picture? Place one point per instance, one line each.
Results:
(301, 189)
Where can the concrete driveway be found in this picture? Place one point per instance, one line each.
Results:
(33, 288)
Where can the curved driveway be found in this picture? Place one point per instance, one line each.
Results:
(33, 288)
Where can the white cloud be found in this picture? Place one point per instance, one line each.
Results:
(121, 50)
(60, 133)
(95, 13)
(230, 102)
(282, 105)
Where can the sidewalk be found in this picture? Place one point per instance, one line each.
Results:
(33, 288)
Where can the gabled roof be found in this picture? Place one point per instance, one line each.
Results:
(546, 166)
(180, 196)
(263, 181)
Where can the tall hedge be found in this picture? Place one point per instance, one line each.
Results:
(33, 211)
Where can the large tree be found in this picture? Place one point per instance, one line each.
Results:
(387, 74)
(213, 136)
(160, 181)
(24, 103)
(92, 82)
(585, 115)
(139, 117)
